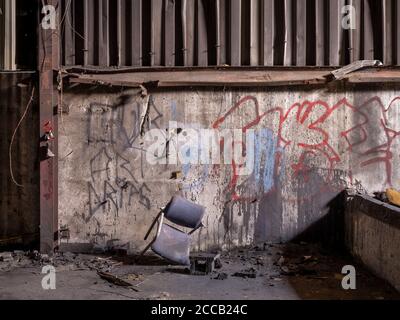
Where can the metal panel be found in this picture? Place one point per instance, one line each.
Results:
(103, 23)
(169, 32)
(319, 33)
(19, 207)
(355, 34)
(121, 30)
(255, 23)
(68, 32)
(89, 36)
(136, 33)
(335, 32)
(268, 32)
(190, 32)
(368, 37)
(398, 32)
(221, 29)
(387, 31)
(301, 32)
(201, 34)
(234, 32)
(156, 32)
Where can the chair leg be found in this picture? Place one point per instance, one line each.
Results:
(145, 249)
(156, 219)
(152, 225)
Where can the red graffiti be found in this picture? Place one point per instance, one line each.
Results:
(311, 130)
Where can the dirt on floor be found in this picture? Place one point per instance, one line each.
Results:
(265, 272)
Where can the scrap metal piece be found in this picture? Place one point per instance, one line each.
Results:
(357, 65)
(203, 263)
(114, 280)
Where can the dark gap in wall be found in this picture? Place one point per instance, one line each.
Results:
(113, 32)
(96, 42)
(211, 22)
(179, 36)
(397, 33)
(163, 24)
(128, 32)
(377, 26)
(279, 37)
(345, 57)
(146, 36)
(26, 34)
(225, 53)
(245, 36)
(311, 33)
(79, 32)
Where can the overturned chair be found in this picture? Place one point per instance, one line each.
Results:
(171, 243)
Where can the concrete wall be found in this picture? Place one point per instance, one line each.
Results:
(310, 145)
(373, 236)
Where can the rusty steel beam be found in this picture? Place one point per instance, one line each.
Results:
(48, 62)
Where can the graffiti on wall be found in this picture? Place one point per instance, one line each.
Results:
(292, 143)
(113, 132)
(314, 134)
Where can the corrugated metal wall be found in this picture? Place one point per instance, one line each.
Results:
(234, 32)
(19, 207)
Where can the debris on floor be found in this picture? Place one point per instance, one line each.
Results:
(248, 273)
(390, 196)
(203, 263)
(115, 280)
(281, 271)
(6, 257)
(393, 197)
(221, 276)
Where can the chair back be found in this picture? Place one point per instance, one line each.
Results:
(184, 212)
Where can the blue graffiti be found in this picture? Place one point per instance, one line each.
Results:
(265, 151)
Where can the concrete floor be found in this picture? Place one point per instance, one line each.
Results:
(290, 271)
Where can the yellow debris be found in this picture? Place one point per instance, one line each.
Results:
(393, 196)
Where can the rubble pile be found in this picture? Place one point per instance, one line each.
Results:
(70, 261)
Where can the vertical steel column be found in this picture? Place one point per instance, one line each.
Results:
(48, 64)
